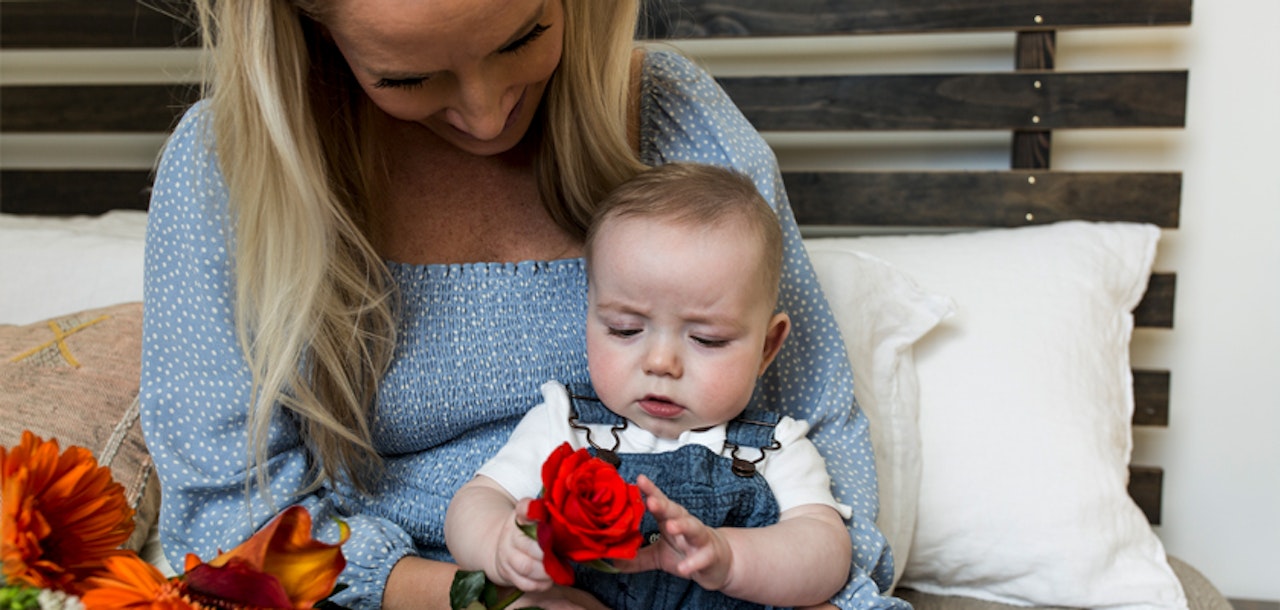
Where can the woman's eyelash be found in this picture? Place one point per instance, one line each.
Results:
(399, 83)
(526, 39)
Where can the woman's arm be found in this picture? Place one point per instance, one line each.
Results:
(195, 388)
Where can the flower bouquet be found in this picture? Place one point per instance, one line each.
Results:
(63, 519)
(585, 514)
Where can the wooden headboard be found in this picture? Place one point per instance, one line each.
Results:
(1029, 102)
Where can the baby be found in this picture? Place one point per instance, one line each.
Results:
(683, 267)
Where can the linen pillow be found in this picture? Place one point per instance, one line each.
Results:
(59, 265)
(881, 314)
(75, 379)
(1025, 406)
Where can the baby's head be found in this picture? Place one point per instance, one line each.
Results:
(683, 265)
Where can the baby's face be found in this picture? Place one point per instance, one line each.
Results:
(679, 325)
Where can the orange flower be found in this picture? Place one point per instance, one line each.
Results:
(303, 569)
(281, 566)
(61, 515)
(133, 584)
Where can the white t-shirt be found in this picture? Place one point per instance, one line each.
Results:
(795, 472)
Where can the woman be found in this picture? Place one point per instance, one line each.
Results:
(364, 259)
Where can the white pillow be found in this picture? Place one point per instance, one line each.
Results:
(51, 266)
(881, 314)
(1025, 406)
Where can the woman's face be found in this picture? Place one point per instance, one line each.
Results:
(471, 71)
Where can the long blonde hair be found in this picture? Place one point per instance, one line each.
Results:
(314, 305)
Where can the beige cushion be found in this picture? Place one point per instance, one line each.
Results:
(1201, 594)
(75, 379)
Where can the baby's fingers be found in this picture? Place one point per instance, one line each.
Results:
(658, 504)
(647, 558)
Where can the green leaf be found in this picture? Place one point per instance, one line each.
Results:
(467, 587)
(601, 565)
(530, 530)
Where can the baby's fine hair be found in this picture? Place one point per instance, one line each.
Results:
(696, 195)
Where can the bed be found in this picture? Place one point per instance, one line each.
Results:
(987, 312)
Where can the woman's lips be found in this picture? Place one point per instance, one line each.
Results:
(660, 407)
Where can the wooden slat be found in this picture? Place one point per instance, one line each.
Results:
(72, 24)
(94, 108)
(64, 192)
(1156, 308)
(1145, 484)
(971, 101)
(1032, 148)
(1151, 398)
(133, 23)
(982, 198)
(736, 18)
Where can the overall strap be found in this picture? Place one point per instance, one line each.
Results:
(752, 428)
(586, 407)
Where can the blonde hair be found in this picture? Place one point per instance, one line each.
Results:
(697, 195)
(314, 304)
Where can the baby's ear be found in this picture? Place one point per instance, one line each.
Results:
(779, 328)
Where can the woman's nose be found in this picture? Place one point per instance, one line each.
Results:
(480, 108)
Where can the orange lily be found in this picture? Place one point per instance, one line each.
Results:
(281, 566)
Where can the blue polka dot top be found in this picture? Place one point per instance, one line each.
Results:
(475, 343)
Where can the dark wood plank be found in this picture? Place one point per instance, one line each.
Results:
(66, 192)
(1151, 398)
(736, 18)
(1032, 148)
(66, 24)
(152, 23)
(1253, 604)
(1145, 484)
(1156, 308)
(1021, 100)
(982, 198)
(94, 108)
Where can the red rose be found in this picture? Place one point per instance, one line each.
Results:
(586, 512)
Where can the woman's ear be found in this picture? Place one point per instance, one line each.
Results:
(779, 328)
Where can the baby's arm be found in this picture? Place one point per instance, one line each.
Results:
(801, 560)
(482, 531)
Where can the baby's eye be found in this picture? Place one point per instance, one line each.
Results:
(709, 342)
(623, 332)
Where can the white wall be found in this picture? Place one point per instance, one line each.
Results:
(1221, 451)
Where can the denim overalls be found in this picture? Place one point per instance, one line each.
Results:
(721, 491)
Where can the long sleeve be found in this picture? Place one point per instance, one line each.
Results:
(195, 387)
(685, 116)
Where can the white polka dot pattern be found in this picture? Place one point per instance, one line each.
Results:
(476, 342)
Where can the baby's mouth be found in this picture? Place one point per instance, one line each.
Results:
(660, 407)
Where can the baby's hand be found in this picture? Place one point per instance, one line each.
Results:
(686, 548)
(517, 560)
